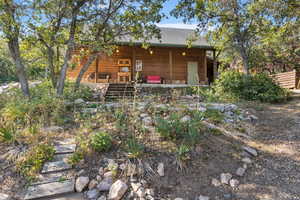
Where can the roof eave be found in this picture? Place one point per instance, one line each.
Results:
(207, 47)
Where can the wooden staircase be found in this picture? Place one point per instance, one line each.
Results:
(117, 91)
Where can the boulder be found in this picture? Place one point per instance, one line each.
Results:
(105, 184)
(147, 121)
(102, 197)
(185, 119)
(4, 197)
(161, 169)
(79, 101)
(93, 184)
(203, 197)
(81, 183)
(225, 178)
(53, 129)
(250, 150)
(247, 160)
(117, 190)
(93, 194)
(240, 171)
(215, 182)
(234, 183)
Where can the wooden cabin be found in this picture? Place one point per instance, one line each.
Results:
(169, 59)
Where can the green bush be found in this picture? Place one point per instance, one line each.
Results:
(134, 148)
(32, 162)
(101, 141)
(258, 87)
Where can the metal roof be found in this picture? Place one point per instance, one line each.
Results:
(173, 37)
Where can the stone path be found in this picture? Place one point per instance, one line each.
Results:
(55, 181)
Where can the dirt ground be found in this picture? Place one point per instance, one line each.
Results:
(274, 174)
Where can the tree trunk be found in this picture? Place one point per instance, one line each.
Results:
(14, 49)
(84, 69)
(50, 53)
(245, 60)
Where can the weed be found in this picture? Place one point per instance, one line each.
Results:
(101, 141)
(75, 158)
(134, 148)
(214, 115)
(7, 134)
(32, 162)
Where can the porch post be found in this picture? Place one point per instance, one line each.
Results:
(215, 67)
(96, 70)
(205, 67)
(133, 64)
(171, 65)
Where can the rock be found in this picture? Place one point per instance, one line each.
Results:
(98, 178)
(215, 182)
(178, 198)
(147, 121)
(93, 184)
(105, 184)
(247, 160)
(101, 171)
(234, 183)
(81, 183)
(123, 166)
(245, 166)
(202, 109)
(117, 190)
(93, 194)
(149, 191)
(161, 169)
(109, 174)
(4, 197)
(253, 118)
(141, 192)
(250, 150)
(136, 186)
(240, 171)
(227, 196)
(79, 101)
(225, 178)
(53, 129)
(185, 119)
(143, 115)
(102, 197)
(81, 172)
(203, 197)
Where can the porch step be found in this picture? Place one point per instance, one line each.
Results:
(118, 91)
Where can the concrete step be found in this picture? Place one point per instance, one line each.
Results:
(65, 148)
(50, 190)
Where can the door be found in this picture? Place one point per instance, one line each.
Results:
(193, 77)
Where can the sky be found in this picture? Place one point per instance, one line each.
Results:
(172, 21)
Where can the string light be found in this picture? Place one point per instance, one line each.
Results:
(183, 54)
(151, 52)
(117, 50)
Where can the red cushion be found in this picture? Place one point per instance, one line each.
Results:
(152, 78)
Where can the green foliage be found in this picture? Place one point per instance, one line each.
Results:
(75, 158)
(7, 134)
(33, 161)
(258, 87)
(206, 93)
(101, 141)
(182, 153)
(134, 148)
(121, 118)
(213, 115)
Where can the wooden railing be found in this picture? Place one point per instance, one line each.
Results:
(288, 80)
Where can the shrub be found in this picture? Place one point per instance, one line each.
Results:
(134, 148)
(257, 87)
(206, 93)
(101, 141)
(7, 134)
(34, 159)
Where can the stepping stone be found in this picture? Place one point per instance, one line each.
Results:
(74, 196)
(61, 157)
(50, 189)
(55, 166)
(65, 148)
(52, 177)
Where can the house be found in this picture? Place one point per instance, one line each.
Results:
(167, 61)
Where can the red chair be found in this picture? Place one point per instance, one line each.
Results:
(154, 79)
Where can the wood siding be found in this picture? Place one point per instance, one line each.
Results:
(287, 79)
(166, 62)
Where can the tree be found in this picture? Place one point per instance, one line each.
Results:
(95, 26)
(135, 19)
(254, 32)
(10, 24)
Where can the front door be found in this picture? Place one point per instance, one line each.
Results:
(193, 77)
